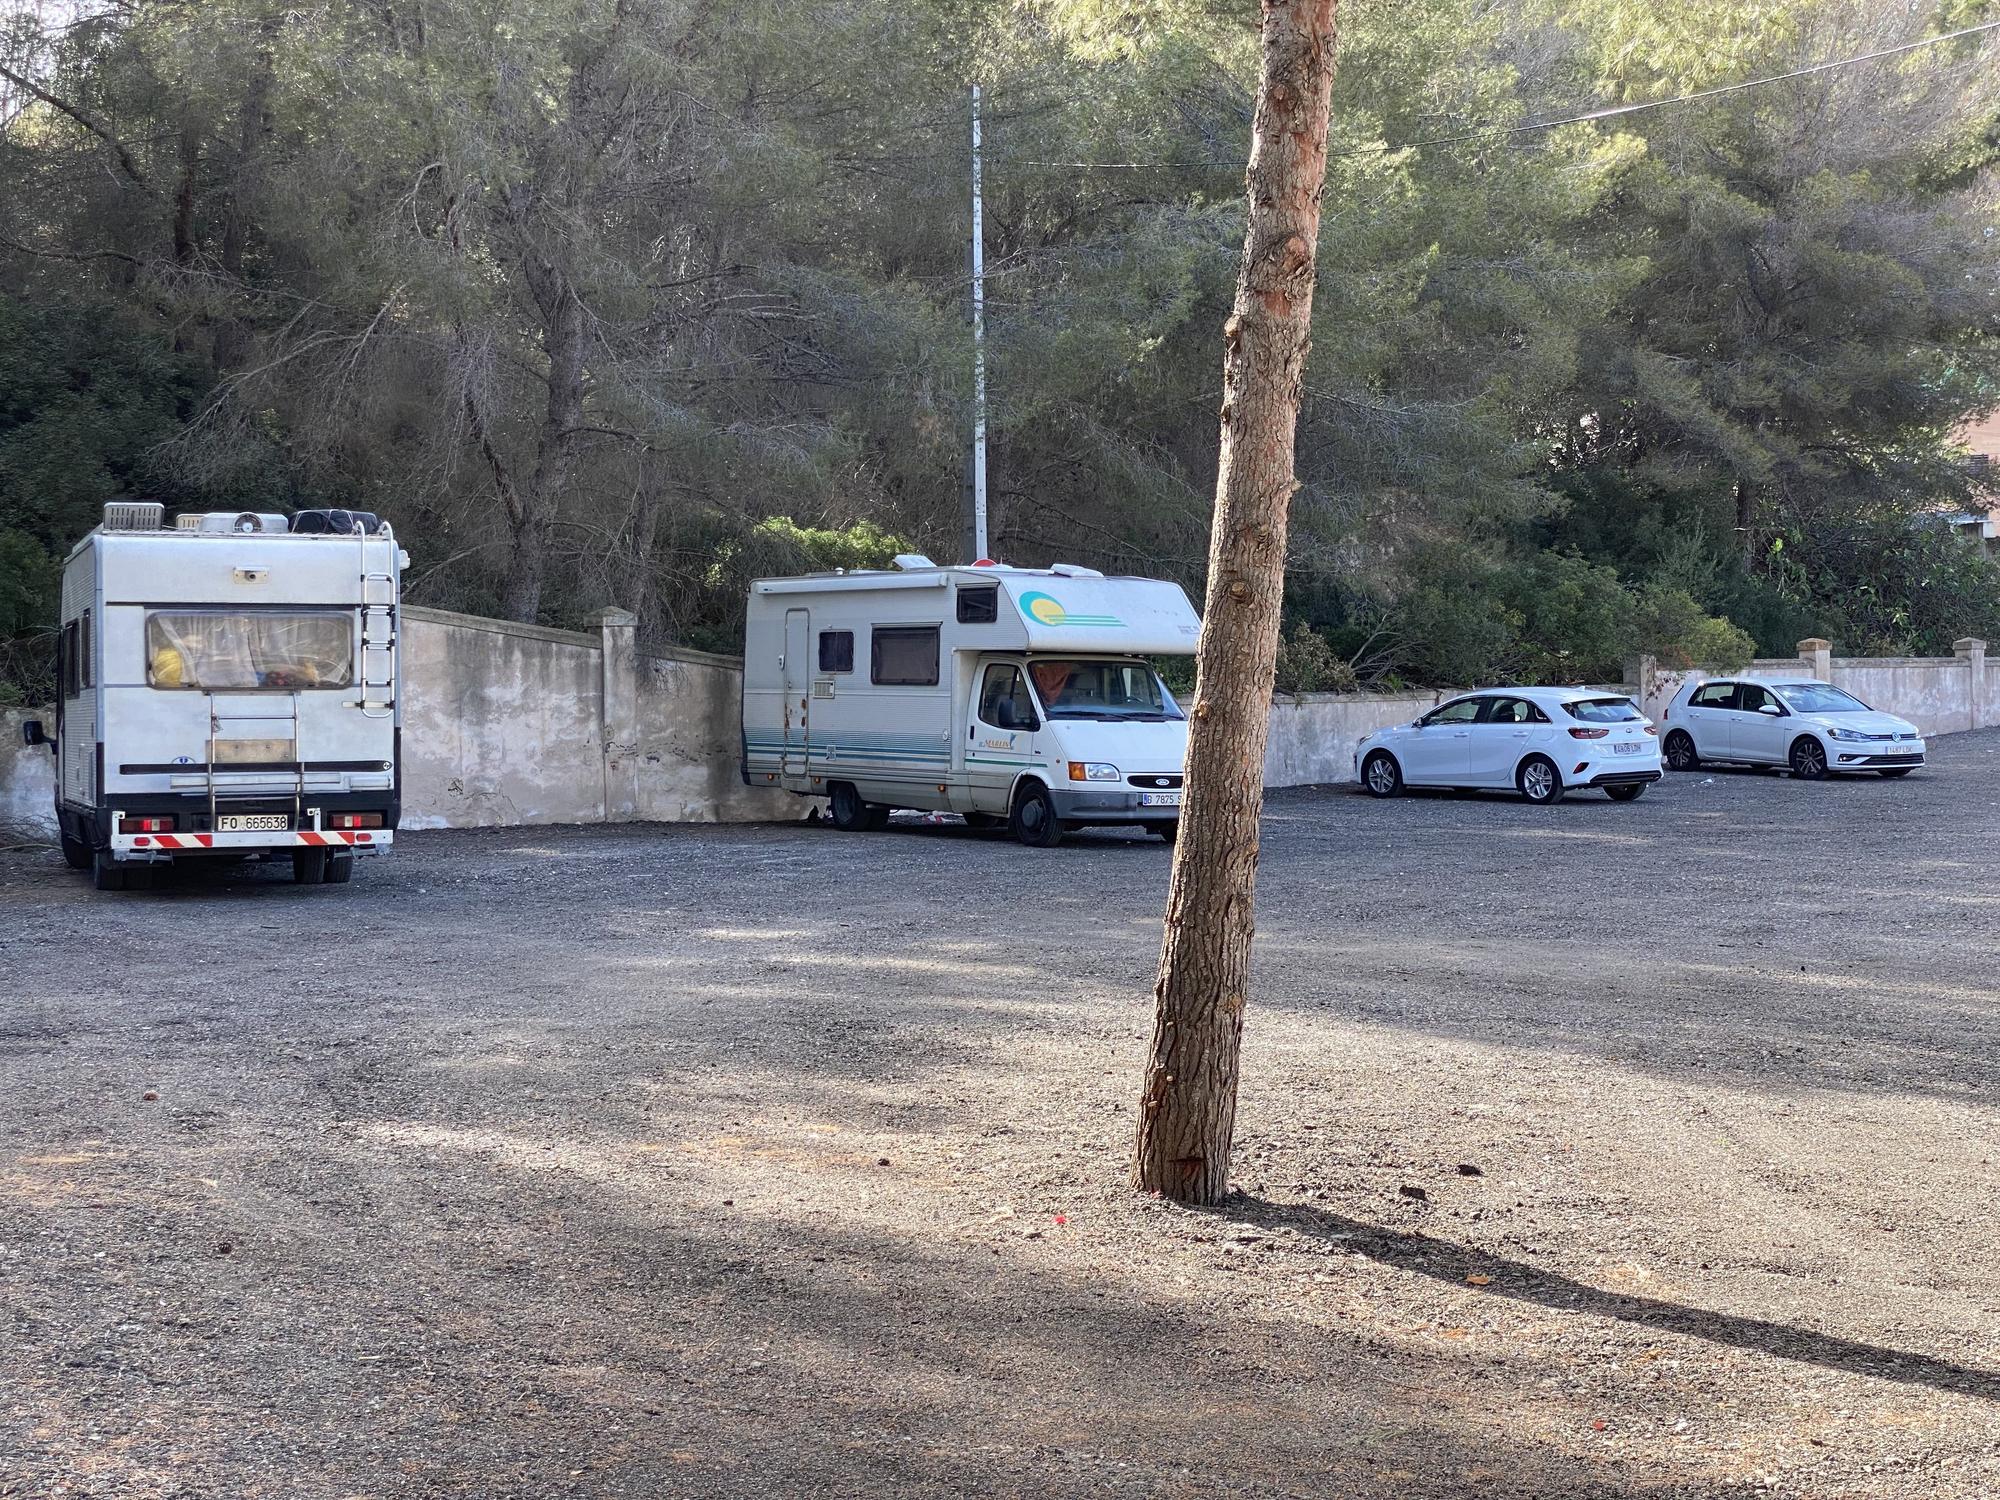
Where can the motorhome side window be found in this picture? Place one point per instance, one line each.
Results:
(85, 676)
(1004, 700)
(71, 680)
(230, 651)
(903, 655)
(836, 651)
(979, 606)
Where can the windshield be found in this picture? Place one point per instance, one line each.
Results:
(1604, 710)
(1102, 690)
(219, 650)
(1818, 698)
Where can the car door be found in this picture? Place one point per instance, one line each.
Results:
(1499, 738)
(1710, 719)
(1001, 735)
(1760, 731)
(1438, 751)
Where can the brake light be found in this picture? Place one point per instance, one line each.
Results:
(1588, 734)
(354, 820)
(145, 825)
(1651, 730)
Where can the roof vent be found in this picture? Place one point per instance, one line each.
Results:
(232, 522)
(1071, 570)
(134, 515)
(910, 562)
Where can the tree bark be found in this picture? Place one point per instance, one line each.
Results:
(1187, 1110)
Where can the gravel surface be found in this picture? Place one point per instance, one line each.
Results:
(1584, 1151)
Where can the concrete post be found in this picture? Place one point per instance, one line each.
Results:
(619, 731)
(1972, 651)
(1818, 657)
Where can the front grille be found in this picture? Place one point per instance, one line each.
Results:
(1157, 783)
(1893, 760)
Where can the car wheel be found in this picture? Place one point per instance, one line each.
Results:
(1035, 822)
(1897, 770)
(105, 872)
(1539, 781)
(1168, 831)
(1808, 758)
(308, 866)
(1680, 752)
(339, 869)
(1630, 793)
(1381, 775)
(75, 852)
(850, 814)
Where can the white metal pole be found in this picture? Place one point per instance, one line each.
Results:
(978, 345)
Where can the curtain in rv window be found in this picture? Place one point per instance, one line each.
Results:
(227, 651)
(836, 651)
(903, 655)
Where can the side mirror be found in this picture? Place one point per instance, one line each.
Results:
(32, 734)
(1773, 710)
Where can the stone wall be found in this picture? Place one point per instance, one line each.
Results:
(1313, 735)
(27, 780)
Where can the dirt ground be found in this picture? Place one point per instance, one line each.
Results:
(1593, 1150)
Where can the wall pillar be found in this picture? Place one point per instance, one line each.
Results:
(619, 730)
(1818, 657)
(1972, 651)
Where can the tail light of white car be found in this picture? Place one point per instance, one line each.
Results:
(1588, 734)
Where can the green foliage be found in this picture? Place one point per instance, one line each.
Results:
(1307, 663)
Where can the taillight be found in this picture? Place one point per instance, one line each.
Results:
(145, 825)
(1588, 734)
(354, 820)
(1651, 730)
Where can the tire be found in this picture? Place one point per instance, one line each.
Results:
(308, 866)
(1539, 781)
(877, 818)
(75, 852)
(105, 872)
(1034, 820)
(1168, 831)
(1680, 753)
(1895, 771)
(1630, 793)
(982, 820)
(850, 814)
(339, 869)
(1808, 759)
(1381, 775)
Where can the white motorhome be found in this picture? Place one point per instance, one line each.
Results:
(1003, 694)
(228, 687)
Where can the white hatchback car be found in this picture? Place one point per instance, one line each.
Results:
(1540, 741)
(1812, 727)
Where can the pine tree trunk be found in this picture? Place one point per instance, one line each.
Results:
(1188, 1106)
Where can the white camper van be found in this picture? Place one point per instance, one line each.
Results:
(1003, 694)
(228, 687)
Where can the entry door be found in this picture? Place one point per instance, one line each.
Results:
(1711, 714)
(1758, 735)
(798, 690)
(1439, 751)
(1499, 740)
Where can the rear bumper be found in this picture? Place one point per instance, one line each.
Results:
(1623, 778)
(153, 846)
(1611, 770)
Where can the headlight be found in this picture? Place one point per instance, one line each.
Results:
(1092, 770)
(1849, 735)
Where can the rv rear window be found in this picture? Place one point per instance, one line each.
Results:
(836, 651)
(979, 606)
(904, 655)
(221, 650)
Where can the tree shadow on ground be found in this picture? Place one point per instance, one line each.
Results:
(1450, 1262)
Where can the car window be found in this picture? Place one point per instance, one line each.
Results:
(1752, 699)
(1604, 710)
(1819, 698)
(1464, 711)
(1509, 711)
(1004, 700)
(1714, 695)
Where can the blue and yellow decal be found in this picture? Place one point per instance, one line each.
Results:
(1044, 610)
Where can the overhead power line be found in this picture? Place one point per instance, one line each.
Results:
(1487, 132)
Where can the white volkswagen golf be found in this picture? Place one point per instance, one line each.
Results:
(1812, 727)
(1540, 741)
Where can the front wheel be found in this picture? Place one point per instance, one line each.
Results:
(1381, 775)
(1035, 822)
(1630, 793)
(1808, 758)
(1168, 831)
(1539, 781)
(1680, 752)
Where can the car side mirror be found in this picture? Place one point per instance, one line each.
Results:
(1773, 710)
(33, 734)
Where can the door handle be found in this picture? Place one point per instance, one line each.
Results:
(1462, 734)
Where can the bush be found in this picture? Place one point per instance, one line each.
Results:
(1307, 663)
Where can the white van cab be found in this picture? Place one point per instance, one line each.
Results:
(1008, 695)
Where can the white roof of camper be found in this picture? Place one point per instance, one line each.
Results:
(1054, 609)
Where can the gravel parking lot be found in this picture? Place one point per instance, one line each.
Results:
(1591, 1150)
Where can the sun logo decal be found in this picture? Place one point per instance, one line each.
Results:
(1044, 610)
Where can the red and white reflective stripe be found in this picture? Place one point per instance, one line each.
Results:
(184, 840)
(275, 839)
